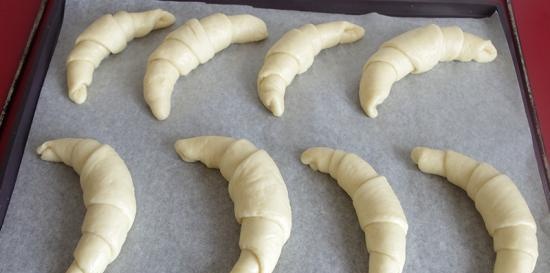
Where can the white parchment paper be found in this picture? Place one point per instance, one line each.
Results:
(185, 219)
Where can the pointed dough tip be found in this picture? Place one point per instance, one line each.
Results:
(416, 153)
(74, 268)
(79, 94)
(352, 33)
(371, 111)
(487, 53)
(272, 90)
(42, 148)
(305, 158)
(312, 155)
(160, 114)
(161, 110)
(46, 153)
(276, 108)
(247, 28)
(247, 263)
(184, 148)
(165, 19)
(274, 104)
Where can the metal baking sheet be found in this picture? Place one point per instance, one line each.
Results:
(185, 219)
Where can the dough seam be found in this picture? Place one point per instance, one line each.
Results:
(487, 182)
(89, 164)
(403, 53)
(86, 61)
(475, 194)
(174, 66)
(384, 254)
(472, 174)
(513, 226)
(112, 205)
(195, 54)
(519, 250)
(392, 221)
(274, 75)
(104, 240)
(79, 266)
(363, 184)
(73, 155)
(242, 165)
(384, 62)
(469, 179)
(284, 54)
(255, 257)
(333, 164)
(210, 44)
(270, 219)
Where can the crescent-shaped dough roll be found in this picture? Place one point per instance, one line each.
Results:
(258, 191)
(193, 43)
(506, 214)
(108, 34)
(417, 51)
(293, 54)
(378, 209)
(108, 196)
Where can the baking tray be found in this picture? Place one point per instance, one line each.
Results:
(14, 130)
(15, 126)
(22, 111)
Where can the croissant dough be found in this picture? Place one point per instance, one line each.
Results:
(378, 209)
(108, 34)
(294, 53)
(108, 196)
(258, 191)
(192, 44)
(417, 51)
(506, 214)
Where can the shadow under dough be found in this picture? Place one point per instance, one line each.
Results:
(72, 212)
(346, 225)
(221, 233)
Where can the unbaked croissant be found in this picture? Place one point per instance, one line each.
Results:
(258, 191)
(506, 214)
(378, 209)
(108, 34)
(417, 51)
(192, 44)
(108, 196)
(294, 53)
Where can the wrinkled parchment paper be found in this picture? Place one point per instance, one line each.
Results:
(185, 220)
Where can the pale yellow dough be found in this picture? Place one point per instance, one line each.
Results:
(506, 214)
(378, 209)
(417, 51)
(108, 34)
(194, 43)
(258, 191)
(108, 196)
(294, 53)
